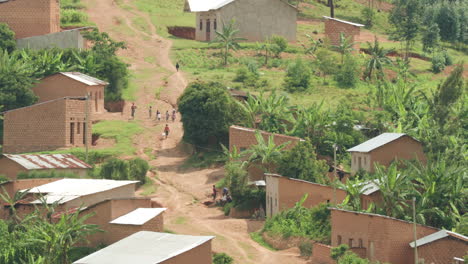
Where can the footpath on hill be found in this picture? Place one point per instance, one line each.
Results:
(181, 191)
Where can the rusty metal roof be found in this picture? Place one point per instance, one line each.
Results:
(48, 161)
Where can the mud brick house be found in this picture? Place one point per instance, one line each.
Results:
(73, 84)
(334, 27)
(67, 193)
(242, 138)
(256, 20)
(11, 165)
(383, 150)
(389, 240)
(50, 125)
(29, 18)
(283, 193)
(119, 218)
(441, 247)
(154, 248)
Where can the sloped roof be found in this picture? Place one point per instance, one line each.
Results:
(48, 161)
(376, 142)
(436, 236)
(206, 5)
(369, 187)
(145, 247)
(343, 21)
(138, 216)
(83, 78)
(65, 190)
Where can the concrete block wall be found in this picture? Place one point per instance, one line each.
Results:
(334, 28)
(62, 40)
(29, 18)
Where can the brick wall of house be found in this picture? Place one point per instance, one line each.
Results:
(45, 126)
(443, 250)
(333, 29)
(59, 86)
(200, 255)
(385, 239)
(29, 18)
(9, 168)
(321, 254)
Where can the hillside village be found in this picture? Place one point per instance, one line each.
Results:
(233, 131)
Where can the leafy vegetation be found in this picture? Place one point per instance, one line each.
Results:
(222, 258)
(7, 38)
(117, 169)
(46, 174)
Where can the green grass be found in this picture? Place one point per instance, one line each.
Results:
(180, 220)
(149, 187)
(257, 237)
(122, 132)
(140, 23)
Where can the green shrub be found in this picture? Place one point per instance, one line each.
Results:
(448, 58)
(297, 77)
(241, 74)
(116, 169)
(227, 208)
(279, 44)
(351, 258)
(222, 258)
(7, 38)
(306, 248)
(73, 17)
(339, 251)
(138, 169)
(438, 62)
(369, 16)
(46, 174)
(348, 74)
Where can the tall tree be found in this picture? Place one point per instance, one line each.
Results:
(406, 18)
(228, 39)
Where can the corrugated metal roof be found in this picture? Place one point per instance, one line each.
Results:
(344, 21)
(66, 190)
(206, 5)
(369, 187)
(376, 142)
(436, 236)
(138, 216)
(145, 247)
(48, 161)
(86, 79)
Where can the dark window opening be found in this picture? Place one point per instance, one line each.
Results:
(78, 127)
(339, 240)
(201, 24)
(72, 133)
(215, 25)
(350, 243)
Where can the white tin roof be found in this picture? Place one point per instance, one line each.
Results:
(68, 189)
(138, 216)
(86, 79)
(436, 236)
(369, 187)
(206, 5)
(48, 161)
(145, 247)
(344, 21)
(376, 142)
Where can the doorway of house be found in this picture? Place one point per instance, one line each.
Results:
(72, 133)
(96, 101)
(208, 30)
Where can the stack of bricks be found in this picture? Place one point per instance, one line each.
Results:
(46, 126)
(29, 18)
(334, 27)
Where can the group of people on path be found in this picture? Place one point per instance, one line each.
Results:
(158, 117)
(225, 198)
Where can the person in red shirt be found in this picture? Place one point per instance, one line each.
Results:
(166, 130)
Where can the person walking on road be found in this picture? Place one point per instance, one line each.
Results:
(133, 108)
(150, 111)
(177, 66)
(158, 115)
(166, 130)
(215, 192)
(167, 115)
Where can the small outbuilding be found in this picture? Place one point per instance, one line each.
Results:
(334, 27)
(11, 165)
(256, 20)
(55, 124)
(154, 248)
(449, 246)
(383, 150)
(72, 84)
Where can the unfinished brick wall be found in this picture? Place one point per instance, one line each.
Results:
(443, 250)
(46, 126)
(321, 254)
(58, 86)
(334, 28)
(385, 239)
(29, 18)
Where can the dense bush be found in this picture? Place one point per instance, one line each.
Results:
(117, 169)
(222, 258)
(73, 17)
(207, 111)
(279, 45)
(438, 62)
(298, 77)
(369, 16)
(299, 221)
(7, 38)
(46, 174)
(348, 74)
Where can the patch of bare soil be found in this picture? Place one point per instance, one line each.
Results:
(182, 192)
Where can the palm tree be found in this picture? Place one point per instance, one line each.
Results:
(227, 39)
(345, 46)
(354, 189)
(252, 108)
(265, 153)
(378, 58)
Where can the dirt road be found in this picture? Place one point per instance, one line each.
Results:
(181, 191)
